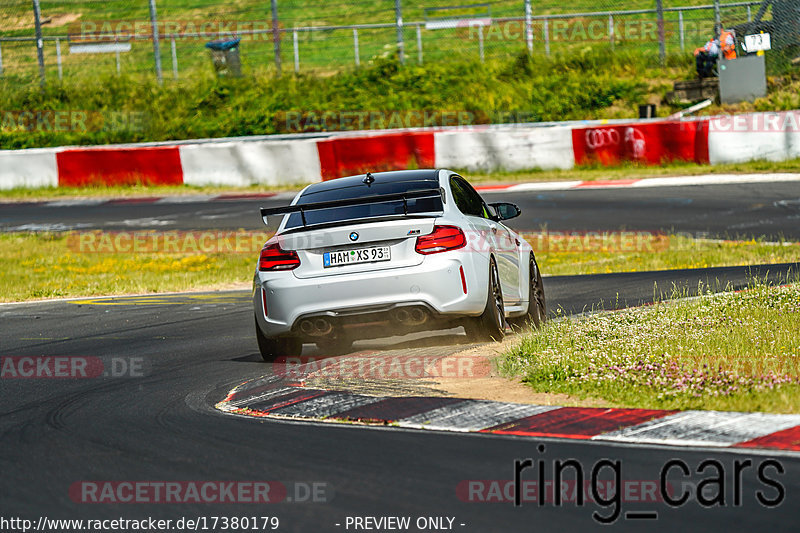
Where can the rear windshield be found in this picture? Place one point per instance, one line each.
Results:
(365, 211)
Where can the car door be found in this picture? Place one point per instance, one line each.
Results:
(493, 233)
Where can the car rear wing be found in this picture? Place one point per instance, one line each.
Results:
(436, 195)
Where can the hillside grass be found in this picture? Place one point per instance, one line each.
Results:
(590, 84)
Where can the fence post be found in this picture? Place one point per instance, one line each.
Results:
(174, 58)
(58, 59)
(119, 70)
(528, 26)
(749, 15)
(419, 44)
(296, 52)
(37, 15)
(276, 36)
(355, 46)
(398, 12)
(662, 46)
(611, 29)
(547, 37)
(680, 29)
(480, 41)
(716, 19)
(1, 60)
(156, 46)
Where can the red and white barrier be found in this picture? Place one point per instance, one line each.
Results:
(239, 162)
(33, 169)
(505, 149)
(652, 143)
(250, 163)
(751, 136)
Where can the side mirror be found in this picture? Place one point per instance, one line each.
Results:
(505, 210)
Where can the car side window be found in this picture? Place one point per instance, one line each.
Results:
(466, 198)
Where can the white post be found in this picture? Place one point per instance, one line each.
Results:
(528, 26)
(119, 70)
(419, 44)
(156, 45)
(174, 58)
(749, 16)
(611, 29)
(547, 37)
(58, 59)
(480, 41)
(355, 46)
(1, 60)
(296, 52)
(680, 28)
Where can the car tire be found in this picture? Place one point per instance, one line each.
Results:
(274, 347)
(537, 306)
(490, 326)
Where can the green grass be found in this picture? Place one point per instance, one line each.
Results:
(49, 265)
(569, 253)
(22, 194)
(731, 351)
(590, 83)
(329, 50)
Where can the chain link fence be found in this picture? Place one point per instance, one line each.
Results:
(84, 39)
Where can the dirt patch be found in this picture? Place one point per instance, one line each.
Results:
(26, 21)
(500, 389)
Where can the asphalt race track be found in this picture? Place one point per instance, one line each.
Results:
(172, 357)
(729, 210)
(189, 350)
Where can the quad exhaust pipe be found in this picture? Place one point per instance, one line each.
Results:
(316, 327)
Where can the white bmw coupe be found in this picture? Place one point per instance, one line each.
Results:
(389, 253)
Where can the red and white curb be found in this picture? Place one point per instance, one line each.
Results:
(672, 181)
(273, 397)
(181, 199)
(676, 181)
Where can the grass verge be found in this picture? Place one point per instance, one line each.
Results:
(569, 253)
(730, 351)
(23, 194)
(52, 265)
(42, 265)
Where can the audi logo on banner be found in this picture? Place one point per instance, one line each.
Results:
(601, 138)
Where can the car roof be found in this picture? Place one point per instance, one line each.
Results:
(384, 183)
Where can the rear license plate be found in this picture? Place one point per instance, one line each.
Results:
(353, 257)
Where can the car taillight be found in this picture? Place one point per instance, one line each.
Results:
(443, 239)
(273, 257)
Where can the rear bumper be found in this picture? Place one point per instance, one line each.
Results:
(360, 297)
